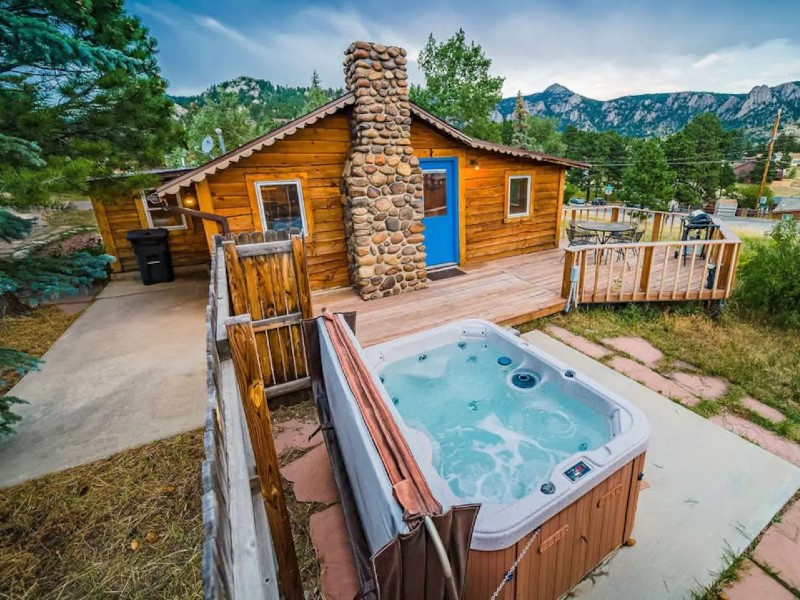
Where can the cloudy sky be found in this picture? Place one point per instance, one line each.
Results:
(599, 48)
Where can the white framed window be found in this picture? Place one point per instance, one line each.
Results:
(158, 217)
(518, 199)
(281, 205)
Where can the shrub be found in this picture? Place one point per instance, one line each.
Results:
(769, 280)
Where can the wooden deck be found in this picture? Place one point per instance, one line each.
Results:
(507, 291)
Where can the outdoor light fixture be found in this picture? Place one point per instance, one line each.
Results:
(188, 200)
(474, 164)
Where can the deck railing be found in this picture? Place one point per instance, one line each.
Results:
(658, 225)
(661, 268)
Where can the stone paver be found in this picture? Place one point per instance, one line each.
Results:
(655, 381)
(332, 545)
(762, 409)
(295, 434)
(312, 477)
(769, 441)
(682, 365)
(638, 348)
(789, 525)
(581, 344)
(781, 554)
(704, 386)
(755, 584)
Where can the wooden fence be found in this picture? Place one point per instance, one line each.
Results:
(268, 280)
(248, 550)
(659, 268)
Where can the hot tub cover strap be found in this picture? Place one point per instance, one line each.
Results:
(409, 486)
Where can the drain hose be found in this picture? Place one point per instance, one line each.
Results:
(443, 558)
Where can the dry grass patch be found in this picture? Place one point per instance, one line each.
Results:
(129, 526)
(33, 333)
(756, 358)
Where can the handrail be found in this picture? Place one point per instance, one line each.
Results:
(675, 269)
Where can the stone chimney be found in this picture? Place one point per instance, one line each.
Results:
(382, 180)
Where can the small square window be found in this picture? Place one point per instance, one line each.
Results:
(158, 217)
(519, 195)
(281, 205)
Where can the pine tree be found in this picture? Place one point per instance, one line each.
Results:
(316, 95)
(80, 95)
(520, 137)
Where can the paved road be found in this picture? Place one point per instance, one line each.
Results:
(748, 226)
(129, 371)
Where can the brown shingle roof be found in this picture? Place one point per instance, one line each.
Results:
(200, 173)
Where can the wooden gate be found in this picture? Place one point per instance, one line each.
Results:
(267, 279)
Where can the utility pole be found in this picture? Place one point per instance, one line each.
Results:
(769, 156)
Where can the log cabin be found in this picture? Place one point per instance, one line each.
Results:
(382, 190)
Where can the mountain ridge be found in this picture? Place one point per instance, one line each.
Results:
(663, 113)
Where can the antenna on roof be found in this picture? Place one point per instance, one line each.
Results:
(208, 144)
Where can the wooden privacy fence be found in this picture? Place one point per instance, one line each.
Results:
(267, 279)
(664, 268)
(248, 548)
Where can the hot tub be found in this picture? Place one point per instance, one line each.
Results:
(492, 419)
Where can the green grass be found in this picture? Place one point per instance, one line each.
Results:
(756, 358)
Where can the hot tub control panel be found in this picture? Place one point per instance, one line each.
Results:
(578, 470)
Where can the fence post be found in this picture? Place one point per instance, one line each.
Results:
(569, 262)
(236, 281)
(301, 272)
(615, 214)
(647, 265)
(251, 387)
(727, 268)
(658, 219)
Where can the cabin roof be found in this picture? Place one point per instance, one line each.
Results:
(218, 164)
(786, 204)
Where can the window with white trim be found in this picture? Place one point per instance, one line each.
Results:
(281, 205)
(519, 195)
(158, 217)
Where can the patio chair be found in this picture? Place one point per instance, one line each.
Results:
(578, 236)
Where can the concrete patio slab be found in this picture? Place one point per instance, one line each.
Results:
(130, 370)
(710, 491)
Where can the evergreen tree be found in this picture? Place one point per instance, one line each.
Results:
(648, 180)
(316, 95)
(80, 95)
(458, 87)
(226, 114)
(519, 125)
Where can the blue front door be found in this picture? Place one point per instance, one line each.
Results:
(440, 199)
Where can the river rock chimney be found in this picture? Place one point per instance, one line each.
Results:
(382, 180)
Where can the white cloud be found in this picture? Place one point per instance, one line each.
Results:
(599, 51)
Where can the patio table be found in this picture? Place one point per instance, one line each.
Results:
(603, 230)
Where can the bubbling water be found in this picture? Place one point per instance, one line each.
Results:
(492, 441)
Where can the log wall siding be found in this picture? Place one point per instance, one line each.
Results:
(317, 154)
(116, 218)
(488, 233)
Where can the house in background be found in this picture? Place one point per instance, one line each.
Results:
(786, 207)
(381, 189)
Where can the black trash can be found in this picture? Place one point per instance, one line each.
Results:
(151, 247)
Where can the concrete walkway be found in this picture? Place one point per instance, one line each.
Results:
(709, 492)
(130, 370)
